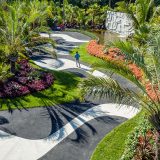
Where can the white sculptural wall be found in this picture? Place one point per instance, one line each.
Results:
(120, 23)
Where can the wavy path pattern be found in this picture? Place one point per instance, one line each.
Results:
(16, 148)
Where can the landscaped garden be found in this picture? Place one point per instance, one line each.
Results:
(135, 59)
(24, 85)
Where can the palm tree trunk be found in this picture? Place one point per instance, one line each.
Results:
(157, 156)
(63, 12)
(13, 59)
(13, 67)
(109, 4)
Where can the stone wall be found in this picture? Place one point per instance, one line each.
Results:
(120, 23)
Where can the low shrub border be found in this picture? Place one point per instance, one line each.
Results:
(140, 142)
(25, 81)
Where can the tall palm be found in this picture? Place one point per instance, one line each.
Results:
(70, 14)
(80, 17)
(148, 96)
(92, 12)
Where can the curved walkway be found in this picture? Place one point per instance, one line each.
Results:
(48, 62)
(17, 148)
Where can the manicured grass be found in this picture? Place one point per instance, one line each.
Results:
(85, 57)
(113, 145)
(63, 90)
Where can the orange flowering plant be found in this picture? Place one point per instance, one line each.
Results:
(115, 54)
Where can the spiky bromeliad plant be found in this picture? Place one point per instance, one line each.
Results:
(148, 95)
(19, 27)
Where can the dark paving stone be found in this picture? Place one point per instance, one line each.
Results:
(81, 144)
(78, 72)
(40, 122)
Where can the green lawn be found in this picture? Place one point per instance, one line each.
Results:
(63, 90)
(85, 57)
(113, 145)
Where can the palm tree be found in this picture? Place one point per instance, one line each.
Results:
(19, 26)
(92, 12)
(80, 17)
(143, 14)
(70, 14)
(139, 11)
(148, 96)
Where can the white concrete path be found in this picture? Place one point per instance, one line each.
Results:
(63, 36)
(48, 63)
(16, 148)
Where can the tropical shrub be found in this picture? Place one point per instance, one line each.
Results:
(20, 24)
(25, 81)
(141, 142)
(4, 72)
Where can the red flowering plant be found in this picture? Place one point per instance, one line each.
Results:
(26, 80)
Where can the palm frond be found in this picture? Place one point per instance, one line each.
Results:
(117, 68)
(109, 89)
(132, 54)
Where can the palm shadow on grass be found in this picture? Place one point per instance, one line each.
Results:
(56, 107)
(64, 89)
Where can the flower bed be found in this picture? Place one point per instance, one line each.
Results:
(25, 81)
(113, 54)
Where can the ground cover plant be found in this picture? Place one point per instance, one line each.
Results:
(26, 80)
(112, 54)
(140, 143)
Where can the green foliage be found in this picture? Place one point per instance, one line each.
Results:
(132, 141)
(62, 91)
(4, 72)
(76, 16)
(20, 24)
